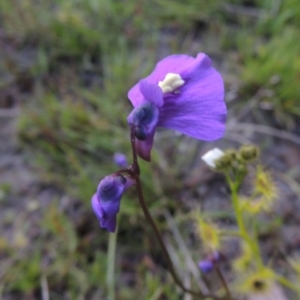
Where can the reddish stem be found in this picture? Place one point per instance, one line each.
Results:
(135, 172)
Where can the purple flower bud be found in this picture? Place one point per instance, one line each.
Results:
(205, 266)
(120, 160)
(106, 202)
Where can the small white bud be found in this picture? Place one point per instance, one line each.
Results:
(211, 156)
(171, 82)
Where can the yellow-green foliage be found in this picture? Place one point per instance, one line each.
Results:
(272, 60)
(263, 195)
(245, 261)
(208, 233)
(260, 282)
(276, 66)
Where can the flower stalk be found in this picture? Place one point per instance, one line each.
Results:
(136, 174)
(234, 187)
(111, 254)
(223, 281)
(182, 93)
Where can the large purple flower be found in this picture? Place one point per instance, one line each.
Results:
(106, 201)
(183, 93)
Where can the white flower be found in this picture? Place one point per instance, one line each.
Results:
(211, 156)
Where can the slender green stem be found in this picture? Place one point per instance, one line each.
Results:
(287, 283)
(255, 246)
(253, 243)
(111, 254)
(136, 173)
(235, 203)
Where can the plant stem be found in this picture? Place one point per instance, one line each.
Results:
(111, 253)
(235, 203)
(223, 281)
(287, 283)
(136, 174)
(234, 186)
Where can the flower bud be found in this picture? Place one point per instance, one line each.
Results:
(241, 169)
(232, 154)
(120, 160)
(106, 202)
(111, 187)
(248, 153)
(224, 163)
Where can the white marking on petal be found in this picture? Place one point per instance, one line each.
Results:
(171, 82)
(211, 156)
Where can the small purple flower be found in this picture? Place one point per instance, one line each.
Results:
(106, 201)
(205, 266)
(183, 93)
(120, 160)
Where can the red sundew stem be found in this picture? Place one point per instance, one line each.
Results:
(136, 174)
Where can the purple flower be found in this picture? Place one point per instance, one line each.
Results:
(120, 160)
(106, 201)
(183, 93)
(205, 266)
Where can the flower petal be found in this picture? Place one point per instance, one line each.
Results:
(106, 202)
(110, 188)
(198, 110)
(152, 92)
(205, 266)
(97, 207)
(211, 156)
(107, 214)
(143, 148)
(179, 64)
(109, 223)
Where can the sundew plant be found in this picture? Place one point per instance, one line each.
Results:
(186, 94)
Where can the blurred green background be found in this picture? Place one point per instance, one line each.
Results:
(65, 69)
